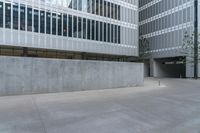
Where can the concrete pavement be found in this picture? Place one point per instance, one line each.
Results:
(174, 107)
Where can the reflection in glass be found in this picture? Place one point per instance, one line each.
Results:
(42, 20)
(48, 22)
(22, 17)
(1, 14)
(15, 16)
(74, 26)
(29, 19)
(54, 23)
(60, 24)
(84, 28)
(70, 26)
(8, 15)
(36, 20)
(65, 25)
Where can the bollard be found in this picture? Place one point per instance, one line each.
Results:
(159, 82)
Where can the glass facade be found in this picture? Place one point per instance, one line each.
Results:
(164, 24)
(96, 20)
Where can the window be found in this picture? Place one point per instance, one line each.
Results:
(119, 35)
(97, 30)
(93, 6)
(88, 29)
(22, 17)
(105, 8)
(108, 30)
(112, 33)
(97, 7)
(84, 28)
(116, 12)
(15, 16)
(1, 14)
(108, 12)
(74, 4)
(54, 23)
(29, 19)
(36, 20)
(8, 15)
(115, 33)
(80, 5)
(101, 8)
(105, 32)
(42, 21)
(119, 13)
(93, 29)
(79, 27)
(64, 24)
(101, 31)
(74, 26)
(89, 6)
(60, 24)
(48, 22)
(70, 26)
(112, 10)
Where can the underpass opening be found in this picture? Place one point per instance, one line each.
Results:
(170, 67)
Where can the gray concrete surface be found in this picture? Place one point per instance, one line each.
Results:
(172, 108)
(19, 75)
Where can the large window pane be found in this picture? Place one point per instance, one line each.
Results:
(84, 28)
(42, 21)
(89, 6)
(65, 25)
(101, 7)
(119, 12)
(8, 15)
(29, 19)
(60, 24)
(80, 27)
(93, 6)
(15, 16)
(105, 32)
(115, 33)
(112, 33)
(75, 4)
(54, 23)
(97, 7)
(80, 5)
(101, 31)
(97, 30)
(112, 10)
(88, 29)
(108, 11)
(119, 35)
(36, 20)
(48, 23)
(70, 26)
(1, 14)
(116, 12)
(105, 8)
(93, 29)
(108, 30)
(22, 17)
(74, 26)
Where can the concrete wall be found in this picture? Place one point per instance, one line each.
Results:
(20, 75)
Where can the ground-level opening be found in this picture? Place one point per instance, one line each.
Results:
(168, 67)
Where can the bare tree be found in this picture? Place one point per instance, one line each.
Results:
(143, 47)
(188, 48)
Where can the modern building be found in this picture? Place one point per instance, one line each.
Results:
(77, 29)
(163, 23)
(77, 33)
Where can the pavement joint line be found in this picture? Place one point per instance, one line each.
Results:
(38, 113)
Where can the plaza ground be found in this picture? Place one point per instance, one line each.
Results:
(173, 107)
